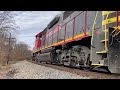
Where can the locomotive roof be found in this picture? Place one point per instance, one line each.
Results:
(42, 32)
(39, 34)
(53, 21)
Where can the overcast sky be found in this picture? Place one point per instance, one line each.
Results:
(31, 23)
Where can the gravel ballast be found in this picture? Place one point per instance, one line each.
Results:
(28, 70)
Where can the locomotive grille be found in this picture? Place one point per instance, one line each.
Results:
(66, 14)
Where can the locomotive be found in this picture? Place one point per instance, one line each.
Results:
(82, 39)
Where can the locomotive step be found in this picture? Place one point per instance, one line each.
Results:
(101, 52)
(105, 30)
(104, 40)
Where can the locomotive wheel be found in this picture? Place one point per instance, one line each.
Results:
(58, 61)
(33, 59)
(86, 55)
(36, 60)
(72, 63)
(81, 68)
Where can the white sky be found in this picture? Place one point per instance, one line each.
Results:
(31, 23)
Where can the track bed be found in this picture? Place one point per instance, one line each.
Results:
(94, 74)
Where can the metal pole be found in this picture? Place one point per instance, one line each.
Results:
(9, 49)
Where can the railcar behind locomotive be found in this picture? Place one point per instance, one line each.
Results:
(81, 39)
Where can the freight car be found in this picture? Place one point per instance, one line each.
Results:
(81, 39)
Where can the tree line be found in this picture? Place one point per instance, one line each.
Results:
(9, 48)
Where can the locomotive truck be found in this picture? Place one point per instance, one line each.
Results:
(82, 39)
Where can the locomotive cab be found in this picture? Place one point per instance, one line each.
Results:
(38, 41)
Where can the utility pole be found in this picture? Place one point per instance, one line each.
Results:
(9, 45)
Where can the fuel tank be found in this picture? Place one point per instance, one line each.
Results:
(45, 57)
(47, 50)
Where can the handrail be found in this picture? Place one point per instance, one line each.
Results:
(117, 33)
(73, 18)
(93, 28)
(117, 19)
(63, 25)
(68, 21)
(106, 49)
(114, 30)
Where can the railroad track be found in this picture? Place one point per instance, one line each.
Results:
(93, 74)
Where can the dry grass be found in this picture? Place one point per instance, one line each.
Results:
(3, 71)
(4, 67)
(3, 58)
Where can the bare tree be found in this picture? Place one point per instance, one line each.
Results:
(21, 51)
(7, 25)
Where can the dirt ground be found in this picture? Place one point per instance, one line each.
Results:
(3, 71)
(27, 70)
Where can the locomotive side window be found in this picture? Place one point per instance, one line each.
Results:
(79, 24)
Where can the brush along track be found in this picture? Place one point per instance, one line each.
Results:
(94, 75)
